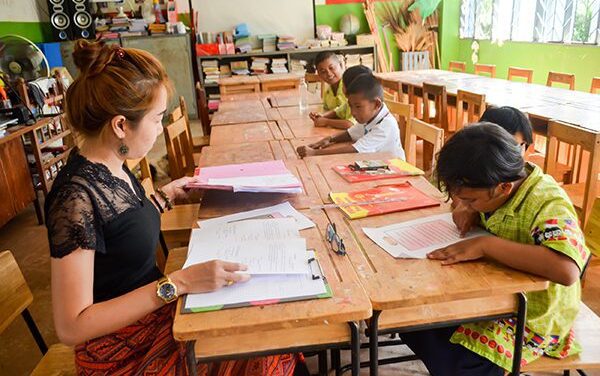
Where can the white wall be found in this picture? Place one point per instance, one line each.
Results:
(23, 11)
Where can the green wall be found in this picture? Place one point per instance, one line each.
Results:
(583, 61)
(37, 32)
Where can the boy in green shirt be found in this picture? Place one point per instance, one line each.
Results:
(536, 230)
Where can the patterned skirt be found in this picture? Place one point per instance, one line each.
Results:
(147, 347)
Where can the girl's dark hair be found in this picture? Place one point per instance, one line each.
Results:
(481, 155)
(351, 73)
(510, 119)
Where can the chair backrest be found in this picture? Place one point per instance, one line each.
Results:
(180, 112)
(457, 66)
(389, 95)
(595, 85)
(313, 78)
(419, 130)
(15, 295)
(470, 104)
(563, 78)
(148, 186)
(592, 229)
(580, 140)
(203, 111)
(403, 112)
(527, 74)
(179, 149)
(437, 94)
(142, 163)
(485, 69)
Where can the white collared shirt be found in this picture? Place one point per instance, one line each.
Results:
(379, 135)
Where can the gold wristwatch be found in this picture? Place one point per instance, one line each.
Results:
(166, 289)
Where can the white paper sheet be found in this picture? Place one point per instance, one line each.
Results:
(260, 288)
(240, 231)
(416, 238)
(261, 257)
(266, 181)
(284, 210)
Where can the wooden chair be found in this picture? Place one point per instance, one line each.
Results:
(143, 165)
(179, 112)
(203, 111)
(485, 69)
(313, 78)
(179, 149)
(15, 297)
(562, 78)
(437, 95)
(595, 85)
(470, 104)
(583, 181)
(403, 112)
(527, 74)
(389, 95)
(419, 130)
(457, 66)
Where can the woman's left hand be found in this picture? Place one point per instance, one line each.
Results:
(470, 249)
(176, 189)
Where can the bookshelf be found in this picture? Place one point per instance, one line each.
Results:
(307, 54)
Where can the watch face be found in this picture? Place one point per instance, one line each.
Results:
(167, 291)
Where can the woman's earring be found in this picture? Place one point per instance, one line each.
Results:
(123, 149)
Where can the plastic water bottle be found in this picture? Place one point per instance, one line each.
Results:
(303, 95)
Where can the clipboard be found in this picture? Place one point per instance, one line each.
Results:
(315, 279)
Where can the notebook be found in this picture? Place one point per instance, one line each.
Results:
(396, 168)
(381, 200)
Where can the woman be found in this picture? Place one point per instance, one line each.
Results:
(109, 297)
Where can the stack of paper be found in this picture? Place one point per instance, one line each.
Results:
(269, 42)
(259, 65)
(352, 60)
(286, 42)
(298, 66)
(367, 60)
(210, 68)
(281, 268)
(278, 65)
(271, 176)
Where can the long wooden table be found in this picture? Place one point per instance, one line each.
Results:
(540, 102)
(408, 294)
(245, 132)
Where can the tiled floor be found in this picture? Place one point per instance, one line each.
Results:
(27, 240)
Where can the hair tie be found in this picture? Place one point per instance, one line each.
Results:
(121, 53)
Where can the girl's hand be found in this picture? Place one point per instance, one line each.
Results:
(320, 121)
(208, 276)
(464, 218)
(305, 151)
(176, 189)
(313, 115)
(471, 249)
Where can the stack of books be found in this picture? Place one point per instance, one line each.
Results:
(213, 102)
(278, 65)
(367, 60)
(259, 65)
(4, 123)
(298, 66)
(243, 45)
(240, 67)
(137, 27)
(286, 42)
(352, 60)
(225, 70)
(119, 24)
(269, 42)
(211, 71)
(157, 28)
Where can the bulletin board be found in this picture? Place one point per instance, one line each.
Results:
(286, 17)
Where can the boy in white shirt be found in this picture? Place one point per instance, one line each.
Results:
(376, 129)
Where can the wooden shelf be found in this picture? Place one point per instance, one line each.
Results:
(52, 139)
(52, 161)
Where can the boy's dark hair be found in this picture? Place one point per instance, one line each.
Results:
(510, 119)
(324, 55)
(367, 85)
(351, 73)
(481, 155)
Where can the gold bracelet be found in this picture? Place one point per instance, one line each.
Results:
(164, 196)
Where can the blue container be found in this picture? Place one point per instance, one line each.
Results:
(52, 53)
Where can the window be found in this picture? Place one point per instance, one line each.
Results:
(555, 21)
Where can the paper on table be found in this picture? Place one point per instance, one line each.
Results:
(283, 210)
(261, 288)
(258, 229)
(272, 181)
(261, 257)
(416, 238)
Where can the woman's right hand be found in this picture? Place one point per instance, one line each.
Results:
(208, 276)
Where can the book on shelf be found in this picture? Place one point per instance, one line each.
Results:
(278, 65)
(381, 199)
(259, 65)
(239, 67)
(395, 168)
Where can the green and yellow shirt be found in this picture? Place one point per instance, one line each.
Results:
(539, 213)
(337, 101)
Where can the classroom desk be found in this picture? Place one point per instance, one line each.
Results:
(416, 294)
(540, 102)
(217, 203)
(241, 105)
(244, 133)
(287, 327)
(293, 112)
(246, 152)
(304, 127)
(290, 98)
(234, 115)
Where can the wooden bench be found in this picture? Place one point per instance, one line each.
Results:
(587, 333)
